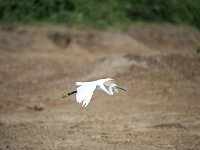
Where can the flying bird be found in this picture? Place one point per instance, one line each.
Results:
(85, 90)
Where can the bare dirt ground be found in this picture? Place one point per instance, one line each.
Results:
(158, 66)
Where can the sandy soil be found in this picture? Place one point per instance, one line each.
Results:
(158, 66)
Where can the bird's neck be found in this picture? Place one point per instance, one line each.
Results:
(110, 91)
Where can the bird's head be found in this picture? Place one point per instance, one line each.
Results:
(115, 88)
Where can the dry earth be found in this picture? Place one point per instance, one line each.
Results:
(158, 66)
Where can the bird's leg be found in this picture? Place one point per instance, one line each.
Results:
(65, 94)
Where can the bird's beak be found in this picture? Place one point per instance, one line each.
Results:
(120, 88)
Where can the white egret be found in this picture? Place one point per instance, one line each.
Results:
(85, 90)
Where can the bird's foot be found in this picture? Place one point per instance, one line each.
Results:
(65, 94)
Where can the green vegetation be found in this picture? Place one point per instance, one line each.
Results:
(198, 49)
(100, 14)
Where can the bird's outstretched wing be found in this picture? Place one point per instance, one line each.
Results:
(81, 83)
(84, 93)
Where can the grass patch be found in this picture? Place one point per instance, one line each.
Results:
(103, 14)
(198, 49)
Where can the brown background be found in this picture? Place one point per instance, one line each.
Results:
(158, 66)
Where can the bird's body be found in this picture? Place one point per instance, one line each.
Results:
(85, 90)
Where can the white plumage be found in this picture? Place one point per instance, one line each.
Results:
(85, 90)
(84, 93)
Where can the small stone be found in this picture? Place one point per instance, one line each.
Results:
(39, 107)
(36, 107)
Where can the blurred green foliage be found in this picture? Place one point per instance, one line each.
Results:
(94, 13)
(198, 49)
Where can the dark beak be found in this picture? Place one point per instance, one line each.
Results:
(120, 88)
